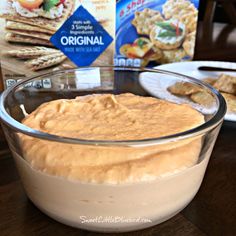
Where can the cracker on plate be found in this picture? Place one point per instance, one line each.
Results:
(183, 89)
(203, 98)
(12, 25)
(230, 101)
(16, 38)
(226, 83)
(209, 80)
(9, 13)
(145, 20)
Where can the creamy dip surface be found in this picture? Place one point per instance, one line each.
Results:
(112, 117)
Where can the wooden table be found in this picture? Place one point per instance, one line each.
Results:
(212, 212)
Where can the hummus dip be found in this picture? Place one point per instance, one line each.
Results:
(111, 117)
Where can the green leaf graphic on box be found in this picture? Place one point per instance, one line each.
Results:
(166, 26)
(167, 34)
(141, 43)
(170, 30)
(48, 4)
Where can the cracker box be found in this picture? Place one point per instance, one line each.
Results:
(153, 32)
(40, 36)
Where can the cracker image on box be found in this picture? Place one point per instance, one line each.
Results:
(27, 28)
(168, 35)
(145, 20)
(48, 15)
(169, 26)
(32, 52)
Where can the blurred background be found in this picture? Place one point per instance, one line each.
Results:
(216, 35)
(220, 13)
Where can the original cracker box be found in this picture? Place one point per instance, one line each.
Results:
(41, 36)
(153, 32)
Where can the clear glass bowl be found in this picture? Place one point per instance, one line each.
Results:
(106, 206)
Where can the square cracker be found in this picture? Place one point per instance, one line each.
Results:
(203, 98)
(210, 80)
(9, 13)
(230, 101)
(226, 83)
(183, 89)
(12, 25)
(145, 20)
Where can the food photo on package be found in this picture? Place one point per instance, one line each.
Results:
(40, 36)
(153, 32)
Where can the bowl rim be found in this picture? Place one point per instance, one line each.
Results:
(199, 130)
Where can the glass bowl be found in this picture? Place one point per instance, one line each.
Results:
(105, 205)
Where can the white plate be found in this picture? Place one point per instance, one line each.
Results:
(149, 83)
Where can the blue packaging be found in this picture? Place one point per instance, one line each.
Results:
(153, 32)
